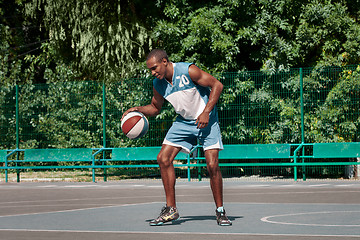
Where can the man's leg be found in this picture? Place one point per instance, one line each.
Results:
(165, 159)
(212, 162)
(216, 183)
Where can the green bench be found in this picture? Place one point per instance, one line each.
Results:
(235, 151)
(328, 151)
(137, 157)
(3, 160)
(83, 158)
(255, 151)
(46, 159)
(336, 150)
(3, 154)
(58, 155)
(285, 151)
(251, 151)
(140, 154)
(145, 157)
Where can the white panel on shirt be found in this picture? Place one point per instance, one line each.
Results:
(188, 103)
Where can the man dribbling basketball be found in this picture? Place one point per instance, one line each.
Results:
(187, 88)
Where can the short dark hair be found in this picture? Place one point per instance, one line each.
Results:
(159, 55)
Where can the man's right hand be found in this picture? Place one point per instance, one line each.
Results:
(129, 110)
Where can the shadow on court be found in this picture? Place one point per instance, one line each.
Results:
(186, 219)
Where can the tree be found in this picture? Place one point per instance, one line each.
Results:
(326, 35)
(108, 40)
(203, 32)
(336, 118)
(228, 35)
(104, 39)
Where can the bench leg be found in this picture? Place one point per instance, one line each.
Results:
(17, 175)
(105, 175)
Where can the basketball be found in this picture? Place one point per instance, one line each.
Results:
(134, 125)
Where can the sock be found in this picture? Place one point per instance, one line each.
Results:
(220, 209)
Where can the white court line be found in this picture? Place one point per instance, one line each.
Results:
(82, 186)
(319, 185)
(292, 193)
(347, 185)
(77, 199)
(266, 219)
(252, 186)
(185, 233)
(59, 205)
(74, 210)
(48, 186)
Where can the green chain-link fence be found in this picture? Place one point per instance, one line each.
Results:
(288, 106)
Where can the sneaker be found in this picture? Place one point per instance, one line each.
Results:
(167, 214)
(222, 219)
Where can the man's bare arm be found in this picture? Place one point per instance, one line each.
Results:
(151, 109)
(206, 80)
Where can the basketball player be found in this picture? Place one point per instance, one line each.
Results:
(193, 93)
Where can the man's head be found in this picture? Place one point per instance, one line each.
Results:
(158, 54)
(157, 61)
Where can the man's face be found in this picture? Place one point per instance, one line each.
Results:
(158, 69)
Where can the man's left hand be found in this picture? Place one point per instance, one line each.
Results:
(202, 120)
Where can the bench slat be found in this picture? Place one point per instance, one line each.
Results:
(255, 151)
(140, 154)
(336, 150)
(69, 154)
(3, 154)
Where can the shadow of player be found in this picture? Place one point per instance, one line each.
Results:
(184, 219)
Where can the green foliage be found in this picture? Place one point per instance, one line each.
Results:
(261, 107)
(195, 35)
(104, 39)
(7, 117)
(323, 34)
(61, 115)
(234, 35)
(108, 40)
(338, 118)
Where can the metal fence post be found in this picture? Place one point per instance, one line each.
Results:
(104, 126)
(302, 105)
(302, 118)
(17, 129)
(17, 114)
